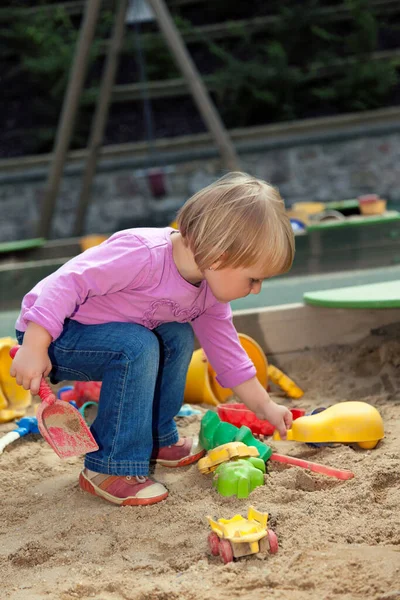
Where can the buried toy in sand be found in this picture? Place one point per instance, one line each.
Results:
(239, 470)
(235, 467)
(238, 536)
(239, 473)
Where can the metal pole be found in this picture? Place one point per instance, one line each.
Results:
(195, 83)
(68, 113)
(100, 117)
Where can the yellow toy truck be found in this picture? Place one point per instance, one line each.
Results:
(236, 537)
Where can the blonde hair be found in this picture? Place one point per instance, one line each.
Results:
(241, 221)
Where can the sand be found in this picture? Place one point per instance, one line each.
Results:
(338, 539)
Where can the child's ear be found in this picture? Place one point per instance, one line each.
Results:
(219, 263)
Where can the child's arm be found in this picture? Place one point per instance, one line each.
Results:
(121, 262)
(257, 399)
(32, 361)
(219, 340)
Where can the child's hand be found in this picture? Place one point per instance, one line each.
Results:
(280, 416)
(28, 368)
(257, 399)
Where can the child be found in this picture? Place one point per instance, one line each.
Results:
(124, 313)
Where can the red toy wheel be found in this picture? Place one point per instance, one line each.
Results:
(225, 551)
(273, 541)
(213, 543)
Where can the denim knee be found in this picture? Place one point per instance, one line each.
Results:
(146, 343)
(184, 337)
(177, 340)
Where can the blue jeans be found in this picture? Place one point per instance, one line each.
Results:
(143, 374)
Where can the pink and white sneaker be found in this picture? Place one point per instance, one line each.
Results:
(124, 491)
(179, 456)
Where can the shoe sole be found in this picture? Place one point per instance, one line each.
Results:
(183, 462)
(87, 486)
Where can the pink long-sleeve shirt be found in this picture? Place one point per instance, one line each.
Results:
(132, 277)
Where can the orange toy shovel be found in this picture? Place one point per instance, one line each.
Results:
(61, 425)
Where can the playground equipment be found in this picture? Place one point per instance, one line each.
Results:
(14, 400)
(346, 423)
(238, 536)
(61, 425)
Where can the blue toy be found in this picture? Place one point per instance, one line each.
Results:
(187, 411)
(25, 425)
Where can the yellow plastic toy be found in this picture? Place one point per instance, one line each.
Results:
(305, 211)
(346, 423)
(223, 453)
(88, 241)
(285, 383)
(201, 382)
(13, 398)
(235, 537)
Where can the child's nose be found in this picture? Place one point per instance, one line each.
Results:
(256, 288)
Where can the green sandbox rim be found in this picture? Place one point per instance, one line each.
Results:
(376, 295)
(357, 221)
(21, 245)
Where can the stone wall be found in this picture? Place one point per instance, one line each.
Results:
(331, 168)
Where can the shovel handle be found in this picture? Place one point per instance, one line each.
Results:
(45, 392)
(312, 466)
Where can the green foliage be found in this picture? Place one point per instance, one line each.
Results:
(306, 62)
(44, 44)
(363, 83)
(159, 62)
(364, 37)
(267, 82)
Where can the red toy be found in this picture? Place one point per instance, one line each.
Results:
(81, 392)
(239, 414)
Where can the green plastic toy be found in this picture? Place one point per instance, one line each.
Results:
(214, 432)
(239, 477)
